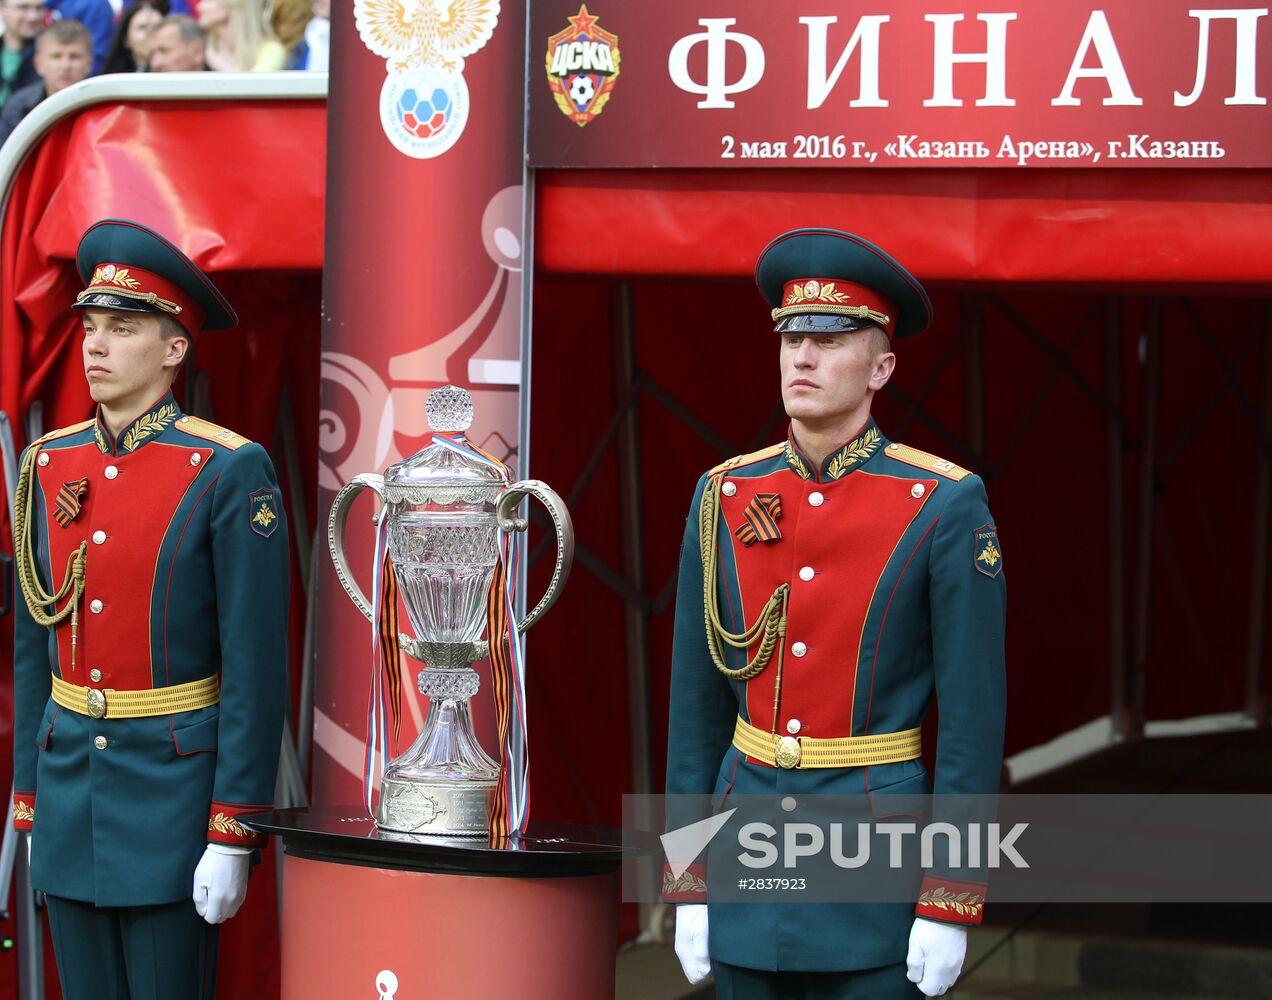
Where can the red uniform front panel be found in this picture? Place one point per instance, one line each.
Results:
(128, 509)
(823, 623)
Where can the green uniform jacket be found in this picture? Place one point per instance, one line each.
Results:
(897, 591)
(187, 577)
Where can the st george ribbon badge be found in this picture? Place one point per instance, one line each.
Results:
(424, 100)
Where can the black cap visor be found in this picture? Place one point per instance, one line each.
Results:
(821, 323)
(104, 300)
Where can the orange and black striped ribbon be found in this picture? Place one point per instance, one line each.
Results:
(387, 627)
(66, 506)
(761, 515)
(501, 684)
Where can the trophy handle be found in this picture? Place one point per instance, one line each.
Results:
(336, 534)
(505, 514)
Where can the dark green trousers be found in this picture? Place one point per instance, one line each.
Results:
(887, 983)
(133, 952)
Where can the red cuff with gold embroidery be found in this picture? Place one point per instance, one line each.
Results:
(23, 810)
(224, 827)
(951, 900)
(690, 887)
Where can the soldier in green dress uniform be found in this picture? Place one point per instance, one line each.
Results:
(150, 663)
(848, 579)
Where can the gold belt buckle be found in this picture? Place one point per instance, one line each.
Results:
(96, 703)
(787, 752)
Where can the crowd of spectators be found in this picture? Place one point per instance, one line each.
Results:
(47, 45)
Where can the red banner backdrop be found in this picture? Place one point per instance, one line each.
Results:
(1125, 83)
(422, 287)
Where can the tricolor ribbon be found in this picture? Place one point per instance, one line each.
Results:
(510, 810)
(383, 610)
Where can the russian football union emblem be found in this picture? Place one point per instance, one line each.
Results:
(583, 63)
(424, 100)
(424, 111)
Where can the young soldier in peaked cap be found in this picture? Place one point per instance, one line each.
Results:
(150, 642)
(876, 573)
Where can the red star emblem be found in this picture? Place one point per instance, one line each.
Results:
(583, 21)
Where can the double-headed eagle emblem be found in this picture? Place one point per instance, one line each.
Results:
(412, 34)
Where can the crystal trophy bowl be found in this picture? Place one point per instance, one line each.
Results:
(445, 507)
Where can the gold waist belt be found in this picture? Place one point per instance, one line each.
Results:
(807, 751)
(108, 703)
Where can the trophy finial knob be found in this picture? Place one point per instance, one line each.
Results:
(449, 409)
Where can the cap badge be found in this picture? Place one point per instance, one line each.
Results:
(814, 291)
(109, 274)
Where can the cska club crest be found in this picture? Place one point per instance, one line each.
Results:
(582, 64)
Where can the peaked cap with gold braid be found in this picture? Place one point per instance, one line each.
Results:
(829, 281)
(129, 267)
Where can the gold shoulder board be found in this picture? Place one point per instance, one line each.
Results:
(926, 460)
(62, 432)
(212, 432)
(755, 456)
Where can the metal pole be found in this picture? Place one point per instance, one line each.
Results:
(974, 378)
(1146, 504)
(1115, 526)
(30, 933)
(13, 853)
(305, 710)
(623, 343)
(632, 534)
(1256, 701)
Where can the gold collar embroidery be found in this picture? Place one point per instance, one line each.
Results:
(150, 424)
(856, 452)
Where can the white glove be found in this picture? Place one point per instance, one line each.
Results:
(936, 955)
(220, 882)
(691, 941)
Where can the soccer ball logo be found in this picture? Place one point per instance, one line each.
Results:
(424, 116)
(581, 90)
(424, 111)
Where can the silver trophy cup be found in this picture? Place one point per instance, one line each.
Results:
(444, 510)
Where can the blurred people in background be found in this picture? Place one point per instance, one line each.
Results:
(63, 56)
(237, 38)
(130, 51)
(177, 45)
(22, 22)
(98, 16)
(313, 50)
(287, 20)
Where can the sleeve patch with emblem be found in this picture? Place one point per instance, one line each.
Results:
(263, 512)
(989, 556)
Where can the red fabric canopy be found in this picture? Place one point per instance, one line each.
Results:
(248, 205)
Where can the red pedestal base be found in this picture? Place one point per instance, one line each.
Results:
(444, 935)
